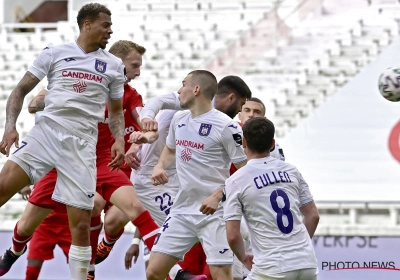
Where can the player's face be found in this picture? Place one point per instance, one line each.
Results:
(132, 63)
(100, 30)
(186, 93)
(235, 106)
(251, 110)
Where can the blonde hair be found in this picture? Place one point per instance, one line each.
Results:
(123, 48)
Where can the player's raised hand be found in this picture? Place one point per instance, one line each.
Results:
(131, 157)
(149, 124)
(132, 253)
(117, 154)
(209, 205)
(159, 176)
(10, 137)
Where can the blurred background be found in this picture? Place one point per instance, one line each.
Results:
(314, 63)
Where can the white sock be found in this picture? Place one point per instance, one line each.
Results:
(16, 253)
(79, 259)
(174, 271)
(91, 267)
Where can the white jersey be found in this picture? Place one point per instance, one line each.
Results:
(269, 192)
(171, 101)
(205, 147)
(150, 153)
(79, 86)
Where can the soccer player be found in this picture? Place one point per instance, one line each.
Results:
(231, 95)
(111, 184)
(255, 108)
(82, 78)
(271, 195)
(204, 141)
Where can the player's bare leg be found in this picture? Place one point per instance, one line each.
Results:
(221, 272)
(95, 229)
(12, 179)
(126, 199)
(80, 252)
(114, 223)
(159, 266)
(31, 218)
(33, 269)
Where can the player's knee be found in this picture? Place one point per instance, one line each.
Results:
(151, 274)
(24, 228)
(113, 227)
(80, 230)
(135, 209)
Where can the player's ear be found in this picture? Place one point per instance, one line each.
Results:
(272, 145)
(244, 143)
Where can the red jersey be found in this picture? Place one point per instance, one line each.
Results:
(131, 101)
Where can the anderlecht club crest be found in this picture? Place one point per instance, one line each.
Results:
(205, 129)
(100, 66)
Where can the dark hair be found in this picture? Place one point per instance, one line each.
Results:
(255, 99)
(233, 84)
(207, 82)
(91, 12)
(259, 133)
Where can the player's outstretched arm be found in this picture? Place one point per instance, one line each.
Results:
(116, 125)
(37, 103)
(167, 158)
(14, 106)
(311, 217)
(139, 137)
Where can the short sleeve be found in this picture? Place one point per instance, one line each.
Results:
(42, 64)
(117, 85)
(171, 134)
(232, 141)
(304, 191)
(232, 204)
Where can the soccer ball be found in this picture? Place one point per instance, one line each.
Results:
(389, 84)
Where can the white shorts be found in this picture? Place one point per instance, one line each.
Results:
(156, 199)
(299, 274)
(146, 253)
(48, 146)
(180, 232)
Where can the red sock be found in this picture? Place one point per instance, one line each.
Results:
(147, 227)
(19, 242)
(95, 229)
(32, 273)
(111, 239)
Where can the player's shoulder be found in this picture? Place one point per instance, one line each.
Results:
(112, 59)
(240, 175)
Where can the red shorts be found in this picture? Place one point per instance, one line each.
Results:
(42, 192)
(109, 181)
(50, 233)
